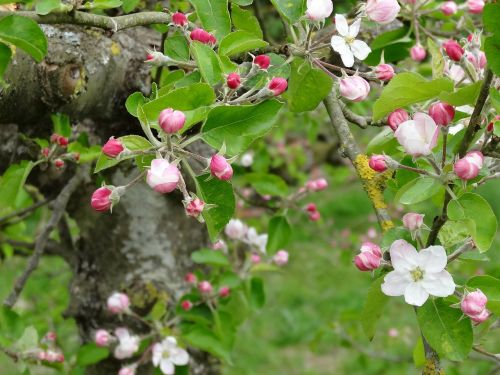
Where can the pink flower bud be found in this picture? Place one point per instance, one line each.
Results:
(236, 229)
(45, 152)
(205, 287)
(101, 199)
(314, 216)
(474, 303)
(371, 247)
(126, 371)
(318, 10)
(220, 168)
(102, 337)
(224, 292)
(354, 88)
(441, 113)
(453, 49)
(481, 317)
(76, 156)
(53, 357)
(171, 121)
(149, 57)
(162, 177)
(113, 147)
(311, 207)
(469, 166)
(233, 81)
(317, 185)
(281, 258)
(190, 278)
(50, 336)
(118, 303)
(369, 258)
(397, 117)
(449, 8)
(475, 6)
(378, 163)
(382, 11)
(417, 53)
(62, 141)
(255, 258)
(186, 305)
(179, 19)
(202, 36)
(413, 221)
(195, 207)
(59, 163)
(219, 245)
(277, 85)
(384, 72)
(479, 61)
(42, 356)
(263, 61)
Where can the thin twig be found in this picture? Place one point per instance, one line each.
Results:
(462, 249)
(486, 353)
(24, 211)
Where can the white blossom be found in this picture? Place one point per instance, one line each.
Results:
(346, 44)
(167, 355)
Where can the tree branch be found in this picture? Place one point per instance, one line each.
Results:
(58, 209)
(24, 211)
(362, 121)
(103, 22)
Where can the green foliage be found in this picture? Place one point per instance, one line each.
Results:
(5, 54)
(373, 308)
(102, 4)
(206, 340)
(408, 88)
(131, 142)
(419, 190)
(464, 95)
(267, 184)
(44, 7)
(11, 185)
(238, 42)
(210, 257)
(176, 47)
(279, 232)
(25, 34)
(307, 87)
(214, 16)
(208, 62)
(257, 292)
(492, 51)
(445, 330)
(291, 10)
(476, 214)
(238, 127)
(437, 60)
(90, 354)
(244, 20)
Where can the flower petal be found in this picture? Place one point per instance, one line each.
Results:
(404, 257)
(360, 49)
(354, 28)
(415, 294)
(432, 259)
(338, 44)
(341, 25)
(395, 283)
(438, 284)
(179, 357)
(167, 367)
(347, 58)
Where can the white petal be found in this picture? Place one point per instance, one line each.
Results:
(354, 28)
(432, 259)
(438, 284)
(179, 357)
(341, 25)
(167, 367)
(347, 58)
(338, 44)
(415, 294)
(360, 49)
(404, 257)
(395, 283)
(157, 353)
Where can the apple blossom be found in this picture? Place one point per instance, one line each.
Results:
(205, 287)
(478, 61)
(162, 176)
(171, 121)
(378, 163)
(220, 168)
(233, 81)
(453, 49)
(246, 159)
(186, 305)
(102, 337)
(219, 245)
(369, 258)
(262, 61)
(441, 113)
(449, 8)
(236, 229)
(194, 207)
(345, 44)
(126, 371)
(255, 258)
(354, 88)
(257, 240)
(417, 275)
(384, 72)
(224, 292)
(314, 216)
(417, 53)
(469, 166)
(318, 10)
(479, 318)
(127, 344)
(277, 85)
(475, 6)
(413, 221)
(281, 258)
(118, 303)
(101, 199)
(382, 11)
(59, 163)
(190, 278)
(167, 355)
(418, 136)
(52, 356)
(397, 117)
(45, 152)
(317, 185)
(113, 147)
(473, 305)
(179, 19)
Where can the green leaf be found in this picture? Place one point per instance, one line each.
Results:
(176, 47)
(245, 20)
(445, 330)
(307, 86)
(475, 212)
(418, 190)
(130, 5)
(491, 17)
(464, 95)
(11, 185)
(257, 293)
(382, 142)
(437, 59)
(61, 124)
(29, 340)
(419, 353)
(238, 42)
(373, 307)
(390, 37)
(393, 234)
(208, 62)
(267, 184)
(492, 51)
(44, 7)
(238, 126)
(219, 193)
(210, 257)
(183, 99)
(214, 16)
(452, 233)
(5, 55)
(25, 34)
(494, 98)
(91, 353)
(102, 4)
(131, 142)
(279, 232)
(133, 101)
(408, 88)
(489, 285)
(204, 339)
(291, 10)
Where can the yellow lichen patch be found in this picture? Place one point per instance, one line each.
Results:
(79, 83)
(145, 295)
(431, 368)
(386, 225)
(115, 48)
(373, 182)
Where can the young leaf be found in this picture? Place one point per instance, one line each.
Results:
(214, 16)
(176, 47)
(245, 20)
(44, 7)
(418, 190)
(267, 184)
(291, 10)
(11, 185)
(89, 354)
(279, 233)
(204, 339)
(25, 34)
(208, 62)
(210, 257)
(257, 293)
(5, 54)
(373, 307)
(464, 95)
(132, 142)
(238, 42)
